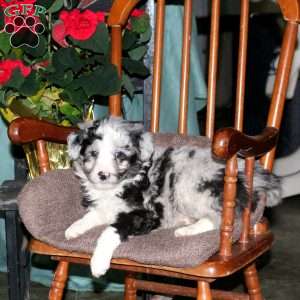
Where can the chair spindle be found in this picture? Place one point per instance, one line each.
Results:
(117, 19)
(157, 64)
(212, 69)
(249, 172)
(43, 157)
(281, 84)
(185, 67)
(230, 180)
(242, 61)
(116, 59)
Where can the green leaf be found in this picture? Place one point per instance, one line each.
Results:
(16, 80)
(69, 110)
(31, 85)
(2, 98)
(130, 38)
(135, 67)
(98, 43)
(5, 43)
(74, 120)
(76, 97)
(56, 6)
(66, 58)
(16, 53)
(138, 53)
(61, 79)
(140, 24)
(102, 81)
(128, 85)
(146, 36)
(95, 60)
(38, 51)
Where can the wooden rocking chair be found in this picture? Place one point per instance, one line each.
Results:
(226, 144)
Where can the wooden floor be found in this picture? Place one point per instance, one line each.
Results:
(279, 270)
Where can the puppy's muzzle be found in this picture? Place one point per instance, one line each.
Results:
(103, 176)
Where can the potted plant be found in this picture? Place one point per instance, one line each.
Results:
(55, 61)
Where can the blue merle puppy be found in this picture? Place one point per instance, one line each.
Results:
(136, 188)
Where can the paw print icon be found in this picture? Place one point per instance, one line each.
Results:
(24, 31)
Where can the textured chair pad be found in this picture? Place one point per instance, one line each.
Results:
(50, 203)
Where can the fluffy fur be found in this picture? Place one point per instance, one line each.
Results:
(134, 188)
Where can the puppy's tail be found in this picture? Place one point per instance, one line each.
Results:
(268, 185)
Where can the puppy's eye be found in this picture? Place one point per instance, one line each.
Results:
(126, 146)
(93, 153)
(120, 156)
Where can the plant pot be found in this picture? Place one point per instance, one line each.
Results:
(58, 158)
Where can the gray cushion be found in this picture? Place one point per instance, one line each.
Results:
(51, 203)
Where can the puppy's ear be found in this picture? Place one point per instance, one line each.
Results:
(75, 141)
(133, 127)
(140, 138)
(137, 127)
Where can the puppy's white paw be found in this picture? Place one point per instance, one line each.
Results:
(201, 226)
(99, 264)
(74, 231)
(182, 231)
(106, 245)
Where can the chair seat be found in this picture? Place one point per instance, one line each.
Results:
(216, 266)
(50, 203)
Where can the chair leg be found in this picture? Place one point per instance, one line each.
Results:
(252, 283)
(59, 281)
(203, 291)
(130, 288)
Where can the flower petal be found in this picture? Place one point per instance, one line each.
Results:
(59, 34)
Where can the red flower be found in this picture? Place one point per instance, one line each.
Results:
(80, 25)
(137, 13)
(59, 33)
(8, 66)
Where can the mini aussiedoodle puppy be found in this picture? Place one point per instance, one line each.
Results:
(136, 188)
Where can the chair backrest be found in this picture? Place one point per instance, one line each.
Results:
(290, 12)
(118, 18)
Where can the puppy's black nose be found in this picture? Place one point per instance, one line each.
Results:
(103, 176)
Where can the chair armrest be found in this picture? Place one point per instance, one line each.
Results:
(27, 130)
(229, 141)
